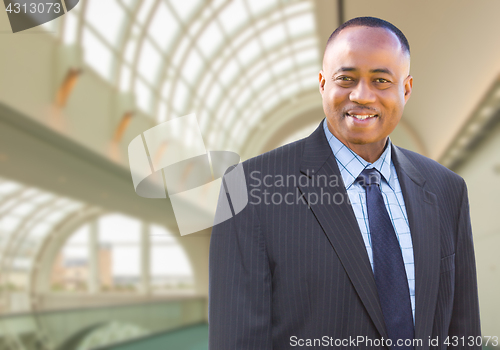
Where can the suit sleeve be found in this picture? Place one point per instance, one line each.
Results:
(239, 285)
(465, 316)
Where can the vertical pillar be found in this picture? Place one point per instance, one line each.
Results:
(93, 271)
(145, 287)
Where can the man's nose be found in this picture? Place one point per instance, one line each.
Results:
(362, 93)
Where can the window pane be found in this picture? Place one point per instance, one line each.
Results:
(273, 35)
(149, 62)
(106, 17)
(143, 96)
(184, 8)
(210, 40)
(233, 16)
(163, 27)
(97, 55)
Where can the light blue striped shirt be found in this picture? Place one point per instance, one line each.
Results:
(351, 165)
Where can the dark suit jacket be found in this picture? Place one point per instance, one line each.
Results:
(281, 271)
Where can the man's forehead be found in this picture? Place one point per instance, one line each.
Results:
(375, 37)
(360, 41)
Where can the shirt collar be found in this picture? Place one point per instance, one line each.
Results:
(351, 165)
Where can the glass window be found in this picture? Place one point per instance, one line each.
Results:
(273, 35)
(164, 27)
(143, 96)
(97, 55)
(184, 8)
(233, 16)
(144, 10)
(149, 62)
(210, 39)
(106, 17)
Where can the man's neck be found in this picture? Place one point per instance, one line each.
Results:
(369, 152)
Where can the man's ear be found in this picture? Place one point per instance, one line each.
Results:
(322, 82)
(408, 86)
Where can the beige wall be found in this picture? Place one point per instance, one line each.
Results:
(482, 174)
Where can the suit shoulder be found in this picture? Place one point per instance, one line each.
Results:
(280, 158)
(432, 169)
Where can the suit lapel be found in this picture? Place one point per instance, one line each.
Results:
(423, 217)
(338, 221)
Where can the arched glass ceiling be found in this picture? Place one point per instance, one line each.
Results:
(230, 61)
(27, 217)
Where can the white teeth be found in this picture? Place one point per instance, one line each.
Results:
(362, 117)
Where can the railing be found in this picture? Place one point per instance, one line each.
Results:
(53, 330)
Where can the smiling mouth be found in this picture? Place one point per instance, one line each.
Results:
(362, 116)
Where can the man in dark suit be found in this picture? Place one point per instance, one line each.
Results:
(348, 241)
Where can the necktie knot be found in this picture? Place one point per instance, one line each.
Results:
(369, 177)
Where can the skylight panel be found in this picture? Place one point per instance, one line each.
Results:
(216, 4)
(130, 50)
(9, 223)
(298, 7)
(42, 198)
(213, 96)
(301, 24)
(143, 96)
(206, 82)
(269, 101)
(162, 113)
(290, 89)
(165, 91)
(233, 15)
(192, 66)
(282, 66)
(125, 79)
(129, 3)
(242, 98)
(96, 54)
(184, 8)
(70, 28)
(107, 18)
(304, 44)
(23, 209)
(210, 40)
(261, 79)
(259, 6)
(40, 230)
(144, 10)
(8, 187)
(180, 50)
(307, 56)
(309, 76)
(163, 27)
(149, 62)
(273, 35)
(180, 96)
(229, 72)
(249, 52)
(55, 216)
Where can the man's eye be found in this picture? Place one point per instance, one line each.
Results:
(344, 78)
(382, 80)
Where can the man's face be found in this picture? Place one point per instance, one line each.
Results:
(365, 84)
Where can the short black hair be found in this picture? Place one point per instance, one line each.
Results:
(374, 23)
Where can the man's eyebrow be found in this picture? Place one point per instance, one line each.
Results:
(352, 69)
(345, 69)
(381, 70)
